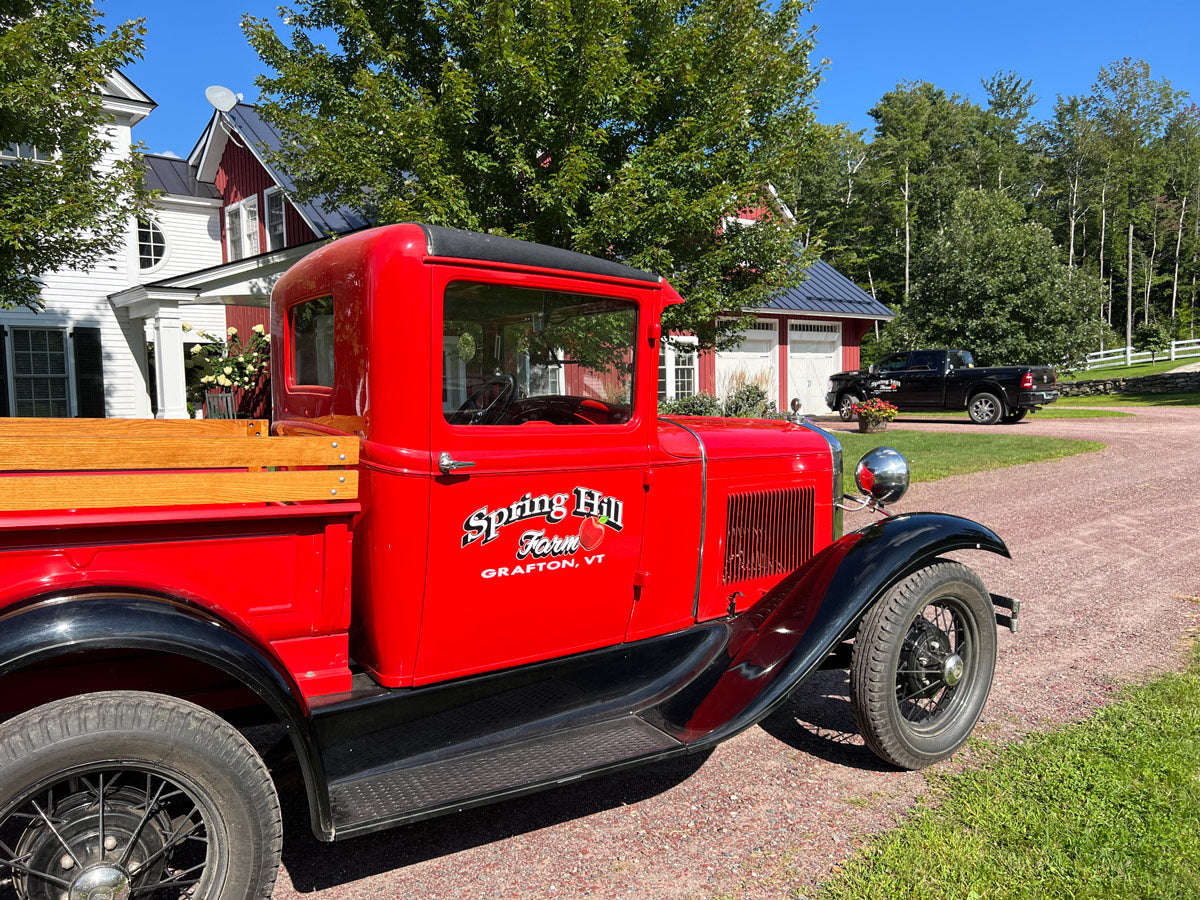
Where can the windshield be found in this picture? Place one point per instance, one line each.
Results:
(515, 355)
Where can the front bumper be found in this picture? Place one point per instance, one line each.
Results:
(1036, 398)
(831, 400)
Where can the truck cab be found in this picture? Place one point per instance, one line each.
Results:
(506, 402)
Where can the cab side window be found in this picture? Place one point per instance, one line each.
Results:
(520, 356)
(924, 360)
(895, 363)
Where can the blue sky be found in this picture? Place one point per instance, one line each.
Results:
(871, 44)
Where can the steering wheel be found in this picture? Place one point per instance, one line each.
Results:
(495, 410)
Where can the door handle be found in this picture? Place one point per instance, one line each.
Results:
(448, 464)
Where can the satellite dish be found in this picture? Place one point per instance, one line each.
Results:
(222, 97)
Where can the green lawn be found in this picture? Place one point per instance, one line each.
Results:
(1050, 412)
(1182, 399)
(934, 455)
(1123, 371)
(1107, 808)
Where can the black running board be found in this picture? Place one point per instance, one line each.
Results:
(380, 800)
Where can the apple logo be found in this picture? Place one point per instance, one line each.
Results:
(591, 532)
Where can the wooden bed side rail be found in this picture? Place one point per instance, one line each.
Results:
(74, 454)
(74, 471)
(135, 427)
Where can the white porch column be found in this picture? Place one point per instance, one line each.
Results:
(168, 362)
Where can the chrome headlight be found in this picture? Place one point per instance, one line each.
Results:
(882, 474)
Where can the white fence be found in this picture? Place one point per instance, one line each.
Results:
(1127, 355)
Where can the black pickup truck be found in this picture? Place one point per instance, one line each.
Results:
(917, 380)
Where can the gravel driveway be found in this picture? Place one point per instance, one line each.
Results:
(1107, 561)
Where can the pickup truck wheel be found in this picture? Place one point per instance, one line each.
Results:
(124, 794)
(846, 407)
(1015, 416)
(985, 408)
(922, 665)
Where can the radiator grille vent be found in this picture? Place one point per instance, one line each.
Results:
(768, 533)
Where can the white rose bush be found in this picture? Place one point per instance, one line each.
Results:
(231, 364)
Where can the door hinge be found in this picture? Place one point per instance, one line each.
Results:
(647, 478)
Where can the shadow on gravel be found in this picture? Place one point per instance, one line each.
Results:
(817, 720)
(315, 866)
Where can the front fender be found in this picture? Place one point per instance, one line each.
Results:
(41, 631)
(783, 638)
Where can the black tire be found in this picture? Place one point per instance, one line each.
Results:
(985, 408)
(910, 709)
(146, 792)
(1015, 416)
(845, 402)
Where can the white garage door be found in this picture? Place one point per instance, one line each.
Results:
(814, 353)
(755, 360)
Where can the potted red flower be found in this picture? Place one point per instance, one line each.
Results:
(874, 414)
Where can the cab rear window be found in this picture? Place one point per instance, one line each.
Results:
(310, 325)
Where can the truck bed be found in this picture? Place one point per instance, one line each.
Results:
(254, 529)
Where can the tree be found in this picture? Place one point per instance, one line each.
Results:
(64, 205)
(1151, 337)
(1132, 111)
(994, 283)
(632, 129)
(920, 159)
(1006, 127)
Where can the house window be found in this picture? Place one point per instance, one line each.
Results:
(241, 229)
(40, 378)
(152, 244)
(276, 226)
(677, 368)
(23, 151)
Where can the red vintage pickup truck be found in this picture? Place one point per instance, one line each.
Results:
(471, 561)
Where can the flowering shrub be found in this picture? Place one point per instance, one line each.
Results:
(230, 364)
(874, 411)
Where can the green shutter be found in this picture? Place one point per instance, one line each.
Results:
(89, 373)
(4, 410)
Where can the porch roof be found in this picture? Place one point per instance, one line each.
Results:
(826, 290)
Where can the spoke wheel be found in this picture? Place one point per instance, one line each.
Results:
(127, 795)
(923, 664)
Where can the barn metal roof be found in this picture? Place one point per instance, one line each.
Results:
(261, 135)
(826, 290)
(173, 175)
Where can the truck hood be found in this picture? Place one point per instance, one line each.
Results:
(737, 438)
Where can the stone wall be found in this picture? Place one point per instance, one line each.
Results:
(1164, 383)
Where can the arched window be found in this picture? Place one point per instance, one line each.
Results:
(152, 243)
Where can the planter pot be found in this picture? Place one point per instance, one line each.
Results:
(871, 428)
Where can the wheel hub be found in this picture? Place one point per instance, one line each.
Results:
(952, 669)
(926, 663)
(101, 883)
